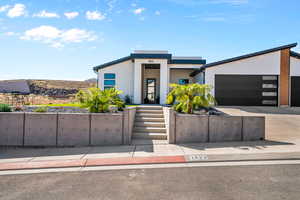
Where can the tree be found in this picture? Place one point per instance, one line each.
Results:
(187, 98)
(99, 101)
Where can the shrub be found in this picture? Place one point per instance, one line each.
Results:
(97, 100)
(128, 99)
(187, 98)
(41, 109)
(18, 108)
(5, 108)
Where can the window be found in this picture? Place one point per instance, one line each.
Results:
(109, 76)
(183, 81)
(109, 80)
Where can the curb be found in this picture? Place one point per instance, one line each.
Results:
(91, 162)
(204, 158)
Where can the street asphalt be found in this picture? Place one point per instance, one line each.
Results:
(200, 183)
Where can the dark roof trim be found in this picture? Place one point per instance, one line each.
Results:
(295, 54)
(187, 61)
(289, 46)
(112, 63)
(151, 56)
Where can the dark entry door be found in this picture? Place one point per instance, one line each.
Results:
(150, 91)
(246, 90)
(295, 91)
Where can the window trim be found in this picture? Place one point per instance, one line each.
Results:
(105, 86)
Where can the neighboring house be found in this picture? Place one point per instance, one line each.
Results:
(265, 78)
(145, 75)
(14, 86)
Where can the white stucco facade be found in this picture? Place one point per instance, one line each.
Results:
(131, 75)
(124, 77)
(266, 64)
(295, 66)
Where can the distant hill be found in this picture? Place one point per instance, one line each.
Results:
(91, 80)
(44, 87)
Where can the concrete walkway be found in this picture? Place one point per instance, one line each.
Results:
(31, 158)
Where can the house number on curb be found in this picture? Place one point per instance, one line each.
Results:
(198, 157)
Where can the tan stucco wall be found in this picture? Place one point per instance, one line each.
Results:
(176, 74)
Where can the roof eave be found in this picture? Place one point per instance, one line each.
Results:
(289, 46)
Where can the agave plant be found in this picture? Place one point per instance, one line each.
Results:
(187, 98)
(97, 100)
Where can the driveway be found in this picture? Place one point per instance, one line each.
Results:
(282, 124)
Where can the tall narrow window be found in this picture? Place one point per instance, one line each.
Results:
(109, 80)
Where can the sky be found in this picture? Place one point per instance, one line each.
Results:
(65, 39)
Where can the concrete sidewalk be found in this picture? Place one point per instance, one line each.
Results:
(15, 158)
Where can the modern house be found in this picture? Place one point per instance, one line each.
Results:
(145, 75)
(265, 78)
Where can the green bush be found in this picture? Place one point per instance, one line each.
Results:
(41, 109)
(5, 108)
(189, 97)
(99, 101)
(128, 99)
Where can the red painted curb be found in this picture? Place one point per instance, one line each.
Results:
(135, 160)
(91, 162)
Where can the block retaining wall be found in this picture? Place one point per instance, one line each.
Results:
(189, 128)
(66, 129)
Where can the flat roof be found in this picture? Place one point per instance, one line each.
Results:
(141, 54)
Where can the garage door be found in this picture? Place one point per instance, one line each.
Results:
(246, 90)
(295, 91)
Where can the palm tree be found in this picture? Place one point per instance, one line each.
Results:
(187, 98)
(97, 100)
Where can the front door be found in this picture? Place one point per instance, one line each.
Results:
(150, 91)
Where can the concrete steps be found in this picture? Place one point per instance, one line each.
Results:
(150, 115)
(149, 123)
(150, 136)
(149, 119)
(146, 129)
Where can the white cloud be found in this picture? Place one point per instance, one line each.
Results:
(138, 11)
(95, 15)
(71, 15)
(58, 38)
(45, 14)
(111, 4)
(77, 35)
(133, 5)
(4, 8)
(10, 33)
(17, 10)
(157, 12)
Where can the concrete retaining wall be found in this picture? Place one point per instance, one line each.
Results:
(73, 129)
(253, 128)
(11, 129)
(225, 128)
(186, 128)
(40, 129)
(129, 116)
(197, 130)
(106, 129)
(66, 129)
